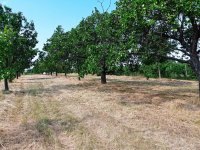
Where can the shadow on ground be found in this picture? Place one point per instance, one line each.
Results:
(130, 92)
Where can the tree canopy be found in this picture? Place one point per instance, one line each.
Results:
(92, 47)
(17, 40)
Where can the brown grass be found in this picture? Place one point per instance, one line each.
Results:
(47, 113)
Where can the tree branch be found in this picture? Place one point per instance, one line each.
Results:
(167, 57)
(109, 5)
(176, 59)
(101, 3)
(183, 51)
(167, 36)
(194, 24)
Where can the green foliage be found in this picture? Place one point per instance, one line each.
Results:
(160, 27)
(54, 48)
(178, 71)
(17, 40)
(92, 47)
(168, 69)
(143, 34)
(149, 71)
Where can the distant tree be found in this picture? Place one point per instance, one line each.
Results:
(68, 48)
(78, 45)
(39, 65)
(54, 49)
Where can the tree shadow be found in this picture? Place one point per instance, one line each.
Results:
(156, 97)
(45, 78)
(96, 86)
(137, 92)
(132, 92)
(152, 83)
(36, 92)
(33, 82)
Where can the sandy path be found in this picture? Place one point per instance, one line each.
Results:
(44, 112)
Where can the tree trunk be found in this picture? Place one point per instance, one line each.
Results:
(56, 73)
(65, 74)
(17, 75)
(195, 64)
(199, 88)
(6, 84)
(159, 72)
(186, 73)
(103, 77)
(103, 71)
(51, 73)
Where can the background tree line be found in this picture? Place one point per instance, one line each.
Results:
(139, 36)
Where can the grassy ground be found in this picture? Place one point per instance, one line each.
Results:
(48, 113)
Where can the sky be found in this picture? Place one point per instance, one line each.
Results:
(48, 14)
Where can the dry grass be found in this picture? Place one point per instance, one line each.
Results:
(44, 112)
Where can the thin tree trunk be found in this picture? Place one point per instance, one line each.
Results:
(65, 74)
(6, 84)
(51, 73)
(17, 75)
(103, 77)
(186, 73)
(159, 72)
(56, 73)
(103, 72)
(199, 88)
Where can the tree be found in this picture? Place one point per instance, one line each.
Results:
(67, 58)
(177, 21)
(54, 49)
(103, 50)
(17, 40)
(77, 53)
(39, 65)
(6, 40)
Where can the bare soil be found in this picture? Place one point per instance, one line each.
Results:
(129, 113)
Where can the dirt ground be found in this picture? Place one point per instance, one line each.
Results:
(129, 113)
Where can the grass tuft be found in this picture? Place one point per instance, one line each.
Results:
(69, 124)
(43, 127)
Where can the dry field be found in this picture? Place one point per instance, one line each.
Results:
(129, 113)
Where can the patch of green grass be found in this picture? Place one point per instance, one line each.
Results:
(43, 127)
